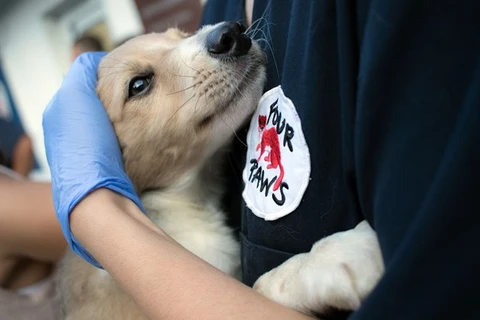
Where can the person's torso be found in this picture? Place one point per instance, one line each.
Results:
(10, 133)
(386, 93)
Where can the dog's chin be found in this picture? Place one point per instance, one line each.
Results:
(240, 103)
(240, 91)
(225, 124)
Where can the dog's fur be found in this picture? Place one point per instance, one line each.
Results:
(338, 273)
(172, 138)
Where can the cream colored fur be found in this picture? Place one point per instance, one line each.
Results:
(172, 139)
(339, 272)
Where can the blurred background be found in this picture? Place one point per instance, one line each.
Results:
(37, 45)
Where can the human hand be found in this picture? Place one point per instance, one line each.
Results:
(81, 146)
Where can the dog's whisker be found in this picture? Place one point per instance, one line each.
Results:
(262, 33)
(188, 66)
(195, 110)
(257, 27)
(182, 76)
(273, 54)
(183, 90)
(261, 19)
(183, 105)
(261, 25)
(267, 27)
(233, 128)
(179, 108)
(246, 78)
(266, 34)
(254, 25)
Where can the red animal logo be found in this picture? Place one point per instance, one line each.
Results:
(274, 157)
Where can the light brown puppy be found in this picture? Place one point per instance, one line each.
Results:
(175, 101)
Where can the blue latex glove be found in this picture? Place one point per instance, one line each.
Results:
(82, 149)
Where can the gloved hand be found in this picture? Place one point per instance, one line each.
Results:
(81, 146)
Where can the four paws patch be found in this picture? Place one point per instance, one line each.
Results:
(277, 170)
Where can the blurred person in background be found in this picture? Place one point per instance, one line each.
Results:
(30, 238)
(16, 147)
(86, 43)
(31, 242)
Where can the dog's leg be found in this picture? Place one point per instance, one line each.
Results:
(337, 273)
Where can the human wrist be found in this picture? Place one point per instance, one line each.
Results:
(104, 216)
(95, 211)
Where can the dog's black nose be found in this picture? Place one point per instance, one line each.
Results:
(228, 39)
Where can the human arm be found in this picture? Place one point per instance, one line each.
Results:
(30, 237)
(109, 227)
(28, 226)
(166, 280)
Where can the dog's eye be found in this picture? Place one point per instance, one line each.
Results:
(139, 85)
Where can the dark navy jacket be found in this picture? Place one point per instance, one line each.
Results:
(388, 93)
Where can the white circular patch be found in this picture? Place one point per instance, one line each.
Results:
(277, 170)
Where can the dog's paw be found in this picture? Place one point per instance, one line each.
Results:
(337, 273)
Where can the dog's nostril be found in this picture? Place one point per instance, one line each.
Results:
(222, 45)
(228, 39)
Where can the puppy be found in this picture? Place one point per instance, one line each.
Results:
(175, 101)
